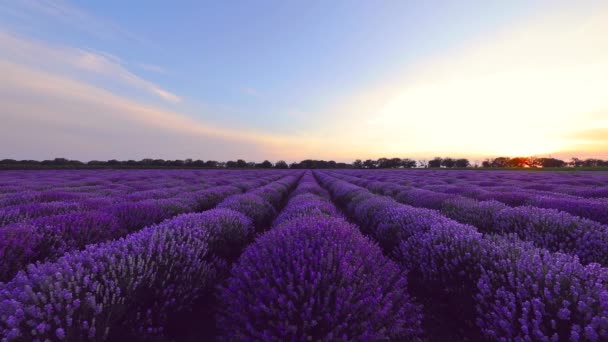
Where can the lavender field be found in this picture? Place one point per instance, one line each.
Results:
(303, 255)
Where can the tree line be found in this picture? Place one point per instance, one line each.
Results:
(381, 163)
(533, 162)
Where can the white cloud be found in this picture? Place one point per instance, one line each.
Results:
(44, 114)
(61, 12)
(152, 67)
(73, 61)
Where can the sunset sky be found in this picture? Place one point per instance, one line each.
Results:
(292, 80)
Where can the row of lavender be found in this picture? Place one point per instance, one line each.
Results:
(579, 183)
(553, 229)
(515, 188)
(47, 194)
(495, 287)
(35, 186)
(315, 277)
(138, 284)
(50, 234)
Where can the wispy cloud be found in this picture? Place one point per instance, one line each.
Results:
(103, 65)
(55, 115)
(152, 67)
(75, 61)
(61, 98)
(64, 13)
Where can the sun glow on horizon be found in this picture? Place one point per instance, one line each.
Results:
(535, 84)
(524, 92)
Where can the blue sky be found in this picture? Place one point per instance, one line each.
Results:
(299, 79)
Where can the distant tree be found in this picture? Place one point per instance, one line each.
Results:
(385, 163)
(307, 164)
(241, 163)
(448, 162)
(575, 162)
(487, 163)
(551, 162)
(408, 163)
(250, 165)
(198, 163)
(369, 164)
(462, 162)
(212, 164)
(231, 164)
(395, 163)
(265, 164)
(382, 163)
(281, 164)
(435, 162)
(500, 162)
(423, 163)
(592, 162)
(518, 162)
(358, 164)
(533, 162)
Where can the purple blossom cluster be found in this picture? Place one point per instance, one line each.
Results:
(593, 209)
(540, 296)
(385, 219)
(147, 255)
(128, 286)
(253, 206)
(308, 199)
(485, 287)
(557, 231)
(315, 277)
(46, 237)
(22, 212)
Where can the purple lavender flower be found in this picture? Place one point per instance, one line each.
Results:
(121, 286)
(556, 231)
(543, 296)
(253, 206)
(316, 278)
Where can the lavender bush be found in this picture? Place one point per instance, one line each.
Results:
(541, 296)
(316, 278)
(131, 285)
(253, 206)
